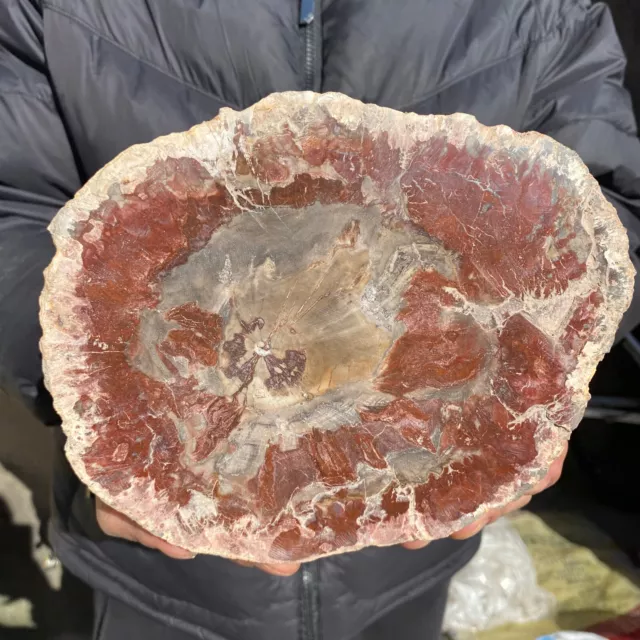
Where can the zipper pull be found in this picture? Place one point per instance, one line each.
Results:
(307, 9)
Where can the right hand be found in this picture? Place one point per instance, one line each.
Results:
(116, 524)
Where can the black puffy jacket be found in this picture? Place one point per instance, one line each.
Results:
(81, 81)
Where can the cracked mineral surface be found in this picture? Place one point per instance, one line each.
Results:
(317, 325)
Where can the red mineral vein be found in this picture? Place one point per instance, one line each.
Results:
(435, 351)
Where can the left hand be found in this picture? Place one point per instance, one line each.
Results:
(116, 524)
(472, 529)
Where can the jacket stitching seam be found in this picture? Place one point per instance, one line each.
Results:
(544, 102)
(164, 72)
(534, 42)
(48, 102)
(603, 119)
(470, 74)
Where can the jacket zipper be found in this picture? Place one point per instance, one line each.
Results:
(310, 603)
(309, 592)
(307, 16)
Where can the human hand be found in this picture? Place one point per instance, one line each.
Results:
(116, 524)
(553, 475)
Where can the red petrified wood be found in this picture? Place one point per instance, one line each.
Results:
(317, 325)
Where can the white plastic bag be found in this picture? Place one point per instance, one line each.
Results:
(498, 586)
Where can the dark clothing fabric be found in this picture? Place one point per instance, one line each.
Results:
(81, 81)
(211, 598)
(420, 618)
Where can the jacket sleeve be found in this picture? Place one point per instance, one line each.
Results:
(580, 100)
(37, 175)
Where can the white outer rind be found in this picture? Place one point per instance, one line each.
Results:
(211, 143)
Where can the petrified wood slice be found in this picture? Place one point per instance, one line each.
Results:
(317, 325)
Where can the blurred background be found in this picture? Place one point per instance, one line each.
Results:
(597, 499)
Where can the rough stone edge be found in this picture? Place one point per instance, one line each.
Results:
(212, 143)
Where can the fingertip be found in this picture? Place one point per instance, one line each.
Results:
(283, 570)
(414, 545)
(171, 550)
(178, 554)
(244, 563)
(470, 530)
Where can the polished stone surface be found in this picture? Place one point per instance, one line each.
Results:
(317, 325)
